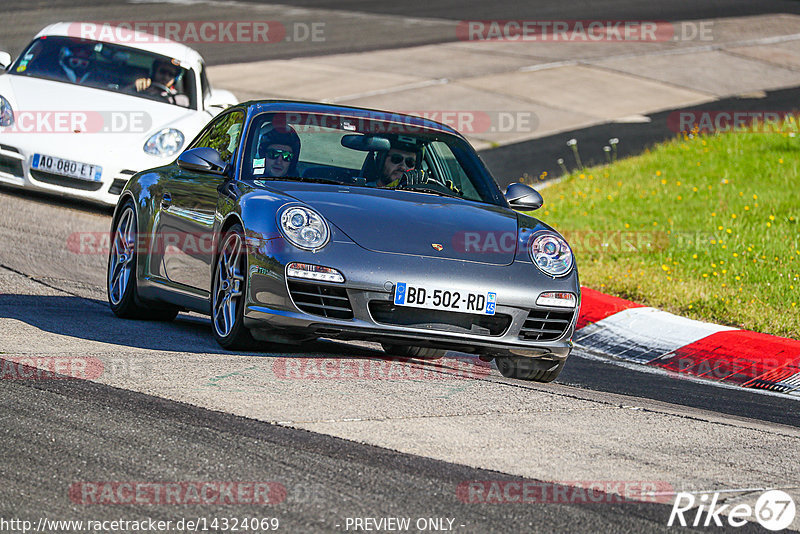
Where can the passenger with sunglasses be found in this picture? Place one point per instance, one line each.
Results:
(75, 61)
(280, 150)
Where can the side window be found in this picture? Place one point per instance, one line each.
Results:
(222, 135)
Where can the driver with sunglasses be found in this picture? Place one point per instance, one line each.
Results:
(399, 166)
(161, 84)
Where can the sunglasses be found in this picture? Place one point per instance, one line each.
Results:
(275, 153)
(397, 158)
(78, 62)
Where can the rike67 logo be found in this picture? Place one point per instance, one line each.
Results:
(774, 510)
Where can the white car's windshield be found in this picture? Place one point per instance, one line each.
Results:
(110, 67)
(360, 151)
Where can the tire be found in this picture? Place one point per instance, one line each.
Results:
(228, 291)
(522, 368)
(121, 273)
(423, 353)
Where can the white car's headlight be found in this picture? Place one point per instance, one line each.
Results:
(6, 113)
(304, 228)
(167, 142)
(551, 254)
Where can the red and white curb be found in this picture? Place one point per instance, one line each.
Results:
(621, 329)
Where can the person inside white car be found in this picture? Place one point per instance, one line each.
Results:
(75, 61)
(161, 83)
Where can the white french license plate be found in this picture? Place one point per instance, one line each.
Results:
(444, 299)
(66, 167)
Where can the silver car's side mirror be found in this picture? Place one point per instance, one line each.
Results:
(5, 60)
(203, 159)
(523, 197)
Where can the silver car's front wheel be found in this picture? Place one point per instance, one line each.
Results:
(228, 292)
(120, 263)
(121, 275)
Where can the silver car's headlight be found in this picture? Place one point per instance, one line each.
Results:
(6, 113)
(551, 254)
(167, 142)
(304, 228)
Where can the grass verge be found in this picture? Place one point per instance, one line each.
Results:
(705, 227)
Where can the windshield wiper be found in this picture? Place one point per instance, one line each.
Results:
(424, 188)
(301, 179)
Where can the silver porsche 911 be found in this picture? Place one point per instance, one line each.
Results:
(289, 221)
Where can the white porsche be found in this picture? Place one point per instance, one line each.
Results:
(78, 117)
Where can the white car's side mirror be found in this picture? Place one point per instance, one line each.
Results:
(218, 100)
(5, 60)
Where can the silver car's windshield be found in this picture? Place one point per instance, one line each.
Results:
(110, 67)
(360, 151)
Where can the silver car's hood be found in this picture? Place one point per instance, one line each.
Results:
(405, 222)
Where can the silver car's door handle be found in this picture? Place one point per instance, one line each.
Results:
(166, 200)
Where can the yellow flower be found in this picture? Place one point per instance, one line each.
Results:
(747, 208)
(720, 227)
(780, 160)
(663, 182)
(694, 256)
(665, 267)
(728, 230)
(694, 189)
(713, 213)
(733, 215)
(735, 255)
(755, 197)
(769, 224)
(678, 184)
(658, 173)
(771, 217)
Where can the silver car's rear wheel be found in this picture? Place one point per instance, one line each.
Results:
(228, 292)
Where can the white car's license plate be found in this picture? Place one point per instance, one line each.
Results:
(65, 167)
(444, 299)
